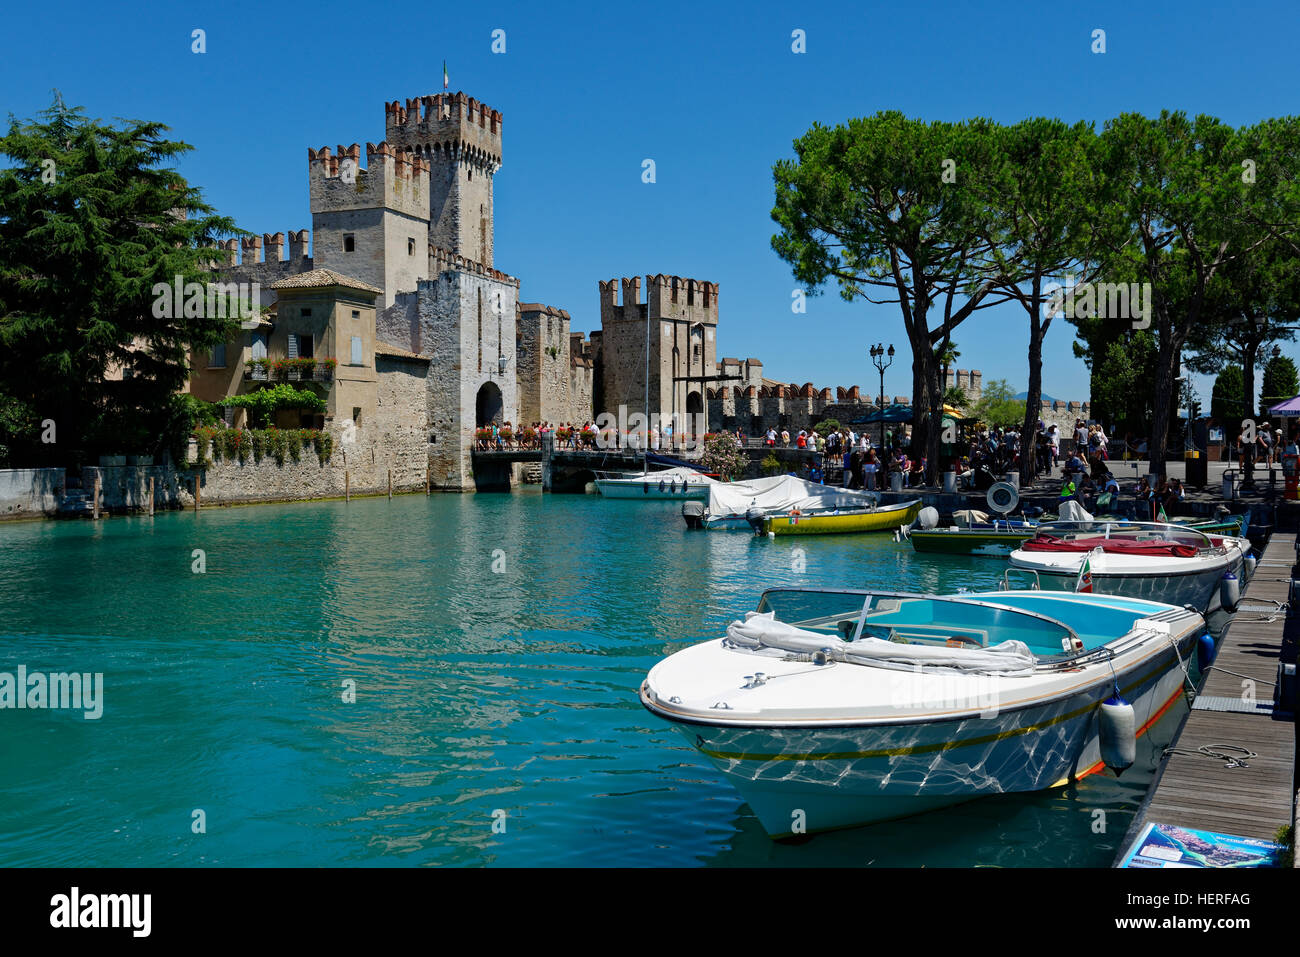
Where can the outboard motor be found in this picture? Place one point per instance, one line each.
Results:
(1117, 732)
(755, 517)
(928, 517)
(1229, 591)
(693, 512)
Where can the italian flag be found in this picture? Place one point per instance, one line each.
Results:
(1084, 582)
(444, 74)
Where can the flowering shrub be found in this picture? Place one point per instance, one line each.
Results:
(240, 444)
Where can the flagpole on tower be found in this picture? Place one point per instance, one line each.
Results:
(444, 76)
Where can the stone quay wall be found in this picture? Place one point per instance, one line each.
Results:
(28, 493)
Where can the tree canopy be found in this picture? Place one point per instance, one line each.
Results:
(93, 216)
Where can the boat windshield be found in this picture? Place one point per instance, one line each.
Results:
(827, 612)
(1127, 531)
(948, 621)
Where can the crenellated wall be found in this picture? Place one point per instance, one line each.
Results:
(460, 139)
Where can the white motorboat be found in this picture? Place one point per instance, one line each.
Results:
(1152, 560)
(830, 709)
(679, 483)
(737, 506)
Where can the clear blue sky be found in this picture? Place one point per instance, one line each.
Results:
(713, 94)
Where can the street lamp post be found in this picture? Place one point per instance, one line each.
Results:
(878, 353)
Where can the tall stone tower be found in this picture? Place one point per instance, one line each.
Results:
(460, 139)
(682, 320)
(371, 223)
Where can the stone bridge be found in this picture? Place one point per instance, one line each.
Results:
(562, 469)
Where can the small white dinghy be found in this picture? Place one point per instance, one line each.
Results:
(828, 708)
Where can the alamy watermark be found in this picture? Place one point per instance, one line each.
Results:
(682, 431)
(62, 690)
(1102, 300)
(929, 690)
(213, 300)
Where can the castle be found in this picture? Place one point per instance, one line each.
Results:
(401, 317)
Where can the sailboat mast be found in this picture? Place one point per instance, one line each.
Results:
(645, 441)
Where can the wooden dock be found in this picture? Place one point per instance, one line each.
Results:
(1200, 791)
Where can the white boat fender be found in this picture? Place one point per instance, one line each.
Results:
(1117, 733)
(1229, 591)
(1251, 562)
(1205, 644)
(928, 517)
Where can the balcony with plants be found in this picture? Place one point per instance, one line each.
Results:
(290, 370)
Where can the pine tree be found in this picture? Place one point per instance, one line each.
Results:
(92, 216)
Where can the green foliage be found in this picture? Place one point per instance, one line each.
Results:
(772, 465)
(1121, 383)
(956, 397)
(722, 455)
(827, 426)
(323, 442)
(82, 244)
(1285, 836)
(264, 403)
(1280, 383)
(1225, 400)
(996, 408)
(241, 445)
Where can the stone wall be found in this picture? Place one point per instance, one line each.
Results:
(126, 487)
(543, 364)
(25, 493)
(400, 434)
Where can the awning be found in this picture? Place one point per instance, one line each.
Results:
(1291, 407)
(891, 413)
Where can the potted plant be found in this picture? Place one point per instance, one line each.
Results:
(325, 368)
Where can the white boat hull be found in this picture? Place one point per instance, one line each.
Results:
(620, 488)
(1199, 589)
(803, 780)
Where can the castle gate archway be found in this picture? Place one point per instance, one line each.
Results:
(488, 405)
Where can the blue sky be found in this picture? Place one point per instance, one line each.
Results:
(712, 93)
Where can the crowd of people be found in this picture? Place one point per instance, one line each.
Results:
(501, 436)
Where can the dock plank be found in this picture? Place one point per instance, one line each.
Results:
(1198, 791)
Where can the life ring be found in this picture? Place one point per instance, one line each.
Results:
(1002, 497)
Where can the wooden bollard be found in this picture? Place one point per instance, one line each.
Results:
(428, 479)
(347, 486)
(198, 489)
(150, 494)
(97, 493)
(390, 485)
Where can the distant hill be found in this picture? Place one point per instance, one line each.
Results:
(1022, 396)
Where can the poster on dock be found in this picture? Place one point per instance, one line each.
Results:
(1163, 845)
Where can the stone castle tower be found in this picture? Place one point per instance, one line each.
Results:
(680, 319)
(460, 140)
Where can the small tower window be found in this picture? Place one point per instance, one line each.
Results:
(410, 247)
(349, 242)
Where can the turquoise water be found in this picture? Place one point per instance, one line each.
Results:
(496, 643)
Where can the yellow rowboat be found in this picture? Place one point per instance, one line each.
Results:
(882, 518)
